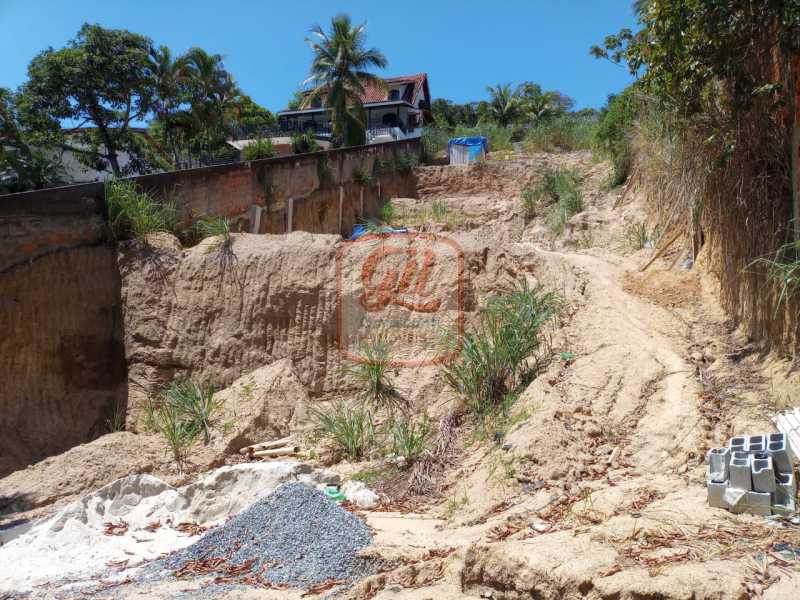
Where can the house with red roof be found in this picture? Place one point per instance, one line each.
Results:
(397, 111)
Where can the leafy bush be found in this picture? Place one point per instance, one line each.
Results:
(134, 214)
(434, 141)
(303, 143)
(404, 162)
(261, 148)
(493, 360)
(388, 212)
(372, 375)
(350, 428)
(499, 137)
(612, 136)
(362, 176)
(410, 438)
(562, 186)
(564, 133)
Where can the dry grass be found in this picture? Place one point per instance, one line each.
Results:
(726, 181)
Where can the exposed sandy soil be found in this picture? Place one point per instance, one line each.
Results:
(597, 491)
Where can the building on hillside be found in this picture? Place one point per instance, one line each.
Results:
(396, 112)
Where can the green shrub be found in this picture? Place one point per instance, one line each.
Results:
(404, 162)
(529, 201)
(434, 142)
(613, 134)
(388, 212)
(499, 137)
(134, 214)
(212, 225)
(560, 189)
(303, 143)
(492, 361)
(362, 176)
(410, 438)
(372, 376)
(439, 209)
(563, 133)
(350, 428)
(195, 404)
(260, 148)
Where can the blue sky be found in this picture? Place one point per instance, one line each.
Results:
(463, 45)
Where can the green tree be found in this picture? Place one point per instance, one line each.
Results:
(101, 78)
(22, 165)
(503, 107)
(339, 76)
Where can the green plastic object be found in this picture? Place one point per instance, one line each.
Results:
(334, 494)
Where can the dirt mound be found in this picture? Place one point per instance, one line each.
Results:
(85, 467)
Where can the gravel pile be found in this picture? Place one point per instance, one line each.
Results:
(294, 536)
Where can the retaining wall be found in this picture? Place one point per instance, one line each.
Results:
(62, 359)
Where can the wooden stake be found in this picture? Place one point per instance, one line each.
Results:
(662, 250)
(277, 451)
(266, 445)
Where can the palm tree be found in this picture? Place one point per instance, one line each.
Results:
(339, 75)
(503, 107)
(169, 76)
(212, 92)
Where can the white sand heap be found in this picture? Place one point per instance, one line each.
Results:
(77, 543)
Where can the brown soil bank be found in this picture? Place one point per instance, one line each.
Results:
(61, 353)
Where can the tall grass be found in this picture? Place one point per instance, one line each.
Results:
(783, 271)
(183, 410)
(410, 438)
(557, 189)
(372, 375)
(213, 225)
(349, 427)
(134, 214)
(565, 133)
(493, 360)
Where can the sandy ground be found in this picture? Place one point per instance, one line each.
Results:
(598, 488)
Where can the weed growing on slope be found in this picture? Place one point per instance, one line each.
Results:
(561, 187)
(410, 438)
(213, 225)
(350, 427)
(372, 375)
(362, 176)
(639, 235)
(493, 360)
(134, 214)
(195, 404)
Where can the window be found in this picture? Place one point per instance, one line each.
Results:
(394, 94)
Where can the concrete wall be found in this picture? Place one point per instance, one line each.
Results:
(62, 359)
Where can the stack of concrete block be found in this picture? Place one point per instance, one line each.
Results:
(753, 474)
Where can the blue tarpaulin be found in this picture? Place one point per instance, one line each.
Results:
(360, 230)
(463, 150)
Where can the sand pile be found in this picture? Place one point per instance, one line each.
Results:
(133, 520)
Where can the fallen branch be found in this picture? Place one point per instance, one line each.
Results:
(662, 250)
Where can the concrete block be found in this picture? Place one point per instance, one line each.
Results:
(738, 444)
(763, 473)
(778, 448)
(757, 443)
(718, 461)
(716, 494)
(740, 471)
(758, 503)
(735, 499)
(785, 495)
(785, 489)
